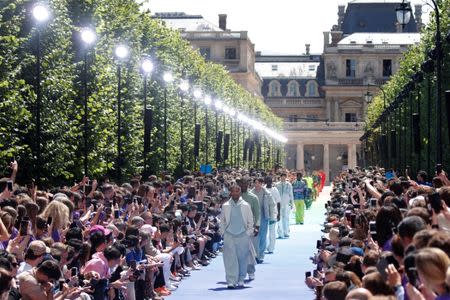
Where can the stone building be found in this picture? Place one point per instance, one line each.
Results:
(321, 97)
(233, 49)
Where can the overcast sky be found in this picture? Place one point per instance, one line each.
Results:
(275, 27)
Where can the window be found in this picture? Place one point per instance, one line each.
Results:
(274, 67)
(312, 67)
(274, 89)
(311, 89)
(293, 90)
(293, 118)
(350, 68)
(205, 52)
(350, 117)
(230, 53)
(387, 67)
(311, 118)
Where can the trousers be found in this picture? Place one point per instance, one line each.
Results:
(263, 229)
(236, 250)
(283, 224)
(299, 211)
(272, 237)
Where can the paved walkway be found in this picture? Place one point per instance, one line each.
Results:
(282, 274)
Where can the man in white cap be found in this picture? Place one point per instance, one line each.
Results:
(34, 256)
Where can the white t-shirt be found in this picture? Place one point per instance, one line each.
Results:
(275, 194)
(24, 266)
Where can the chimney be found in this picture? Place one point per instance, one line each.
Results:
(307, 48)
(341, 14)
(223, 21)
(418, 16)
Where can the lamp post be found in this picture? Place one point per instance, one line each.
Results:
(218, 105)
(403, 17)
(197, 96)
(121, 52)
(207, 101)
(147, 68)
(41, 14)
(88, 37)
(184, 87)
(168, 78)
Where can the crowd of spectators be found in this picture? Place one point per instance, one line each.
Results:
(385, 237)
(100, 240)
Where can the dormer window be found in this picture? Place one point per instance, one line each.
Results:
(274, 88)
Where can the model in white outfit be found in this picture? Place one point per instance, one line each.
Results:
(287, 201)
(277, 199)
(236, 226)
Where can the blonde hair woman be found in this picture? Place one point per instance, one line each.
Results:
(59, 213)
(432, 265)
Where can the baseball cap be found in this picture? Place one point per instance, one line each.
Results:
(39, 248)
(95, 228)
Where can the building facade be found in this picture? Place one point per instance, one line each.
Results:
(322, 97)
(233, 49)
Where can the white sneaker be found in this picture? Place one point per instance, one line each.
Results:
(240, 283)
(251, 276)
(171, 287)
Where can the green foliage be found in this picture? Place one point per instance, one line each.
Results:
(62, 115)
(422, 99)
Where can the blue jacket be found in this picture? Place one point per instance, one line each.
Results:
(299, 189)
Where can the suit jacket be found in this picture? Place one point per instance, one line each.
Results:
(247, 215)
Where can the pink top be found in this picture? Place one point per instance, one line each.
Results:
(98, 264)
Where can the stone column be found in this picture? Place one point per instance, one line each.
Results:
(328, 105)
(351, 155)
(326, 162)
(300, 157)
(336, 111)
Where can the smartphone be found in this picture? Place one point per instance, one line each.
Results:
(73, 271)
(88, 202)
(348, 214)
(116, 214)
(411, 271)
(382, 266)
(23, 227)
(316, 273)
(133, 265)
(438, 169)
(307, 274)
(326, 205)
(373, 226)
(319, 244)
(352, 220)
(10, 185)
(356, 206)
(354, 184)
(49, 221)
(61, 285)
(373, 202)
(435, 202)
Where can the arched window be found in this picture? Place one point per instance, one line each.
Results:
(293, 90)
(312, 89)
(274, 89)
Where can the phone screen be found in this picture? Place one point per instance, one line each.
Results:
(307, 274)
(10, 185)
(382, 266)
(435, 201)
(23, 227)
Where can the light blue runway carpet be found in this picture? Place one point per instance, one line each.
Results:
(281, 276)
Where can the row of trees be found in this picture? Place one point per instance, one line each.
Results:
(419, 99)
(116, 21)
